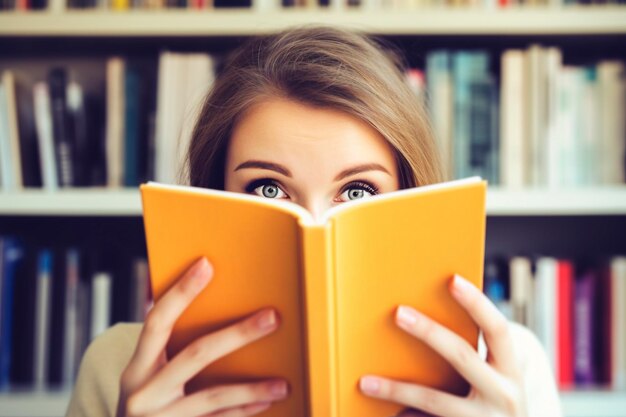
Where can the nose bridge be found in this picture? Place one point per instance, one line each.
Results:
(316, 205)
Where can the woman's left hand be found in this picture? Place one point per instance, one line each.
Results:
(496, 384)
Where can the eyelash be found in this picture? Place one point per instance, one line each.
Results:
(369, 187)
(252, 185)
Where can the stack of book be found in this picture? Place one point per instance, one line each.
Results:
(53, 302)
(547, 125)
(577, 310)
(57, 133)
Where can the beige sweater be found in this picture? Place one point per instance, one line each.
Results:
(97, 388)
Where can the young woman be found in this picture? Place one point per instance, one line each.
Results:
(317, 116)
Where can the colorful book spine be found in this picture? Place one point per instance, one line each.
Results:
(585, 329)
(564, 324)
(12, 254)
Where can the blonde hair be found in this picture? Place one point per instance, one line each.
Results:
(320, 67)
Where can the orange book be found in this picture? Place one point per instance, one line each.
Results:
(336, 284)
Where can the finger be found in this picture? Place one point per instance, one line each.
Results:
(453, 348)
(207, 349)
(491, 321)
(160, 320)
(414, 413)
(422, 398)
(246, 410)
(226, 397)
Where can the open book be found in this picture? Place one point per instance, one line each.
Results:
(336, 284)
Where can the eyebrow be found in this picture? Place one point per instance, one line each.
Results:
(359, 169)
(264, 165)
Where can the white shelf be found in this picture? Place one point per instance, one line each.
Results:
(548, 202)
(28, 404)
(594, 404)
(608, 19)
(86, 202)
(575, 404)
(103, 202)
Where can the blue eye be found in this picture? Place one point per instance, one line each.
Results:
(266, 188)
(357, 190)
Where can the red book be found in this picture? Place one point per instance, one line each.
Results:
(565, 296)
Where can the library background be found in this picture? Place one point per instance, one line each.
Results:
(529, 94)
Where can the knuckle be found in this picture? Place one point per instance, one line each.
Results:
(198, 351)
(462, 354)
(428, 331)
(155, 323)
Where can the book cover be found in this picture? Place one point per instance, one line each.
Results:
(335, 284)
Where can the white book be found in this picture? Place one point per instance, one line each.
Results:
(45, 140)
(546, 304)
(184, 80)
(8, 82)
(100, 303)
(569, 124)
(612, 107)
(115, 114)
(43, 311)
(520, 270)
(589, 131)
(618, 322)
(169, 116)
(535, 110)
(198, 80)
(513, 152)
(553, 160)
(6, 164)
(265, 5)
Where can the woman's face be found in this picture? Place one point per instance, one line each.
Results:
(314, 157)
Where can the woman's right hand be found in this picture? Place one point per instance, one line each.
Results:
(153, 386)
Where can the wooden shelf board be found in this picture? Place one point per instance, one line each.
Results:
(464, 21)
(127, 202)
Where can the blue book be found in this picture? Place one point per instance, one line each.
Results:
(473, 91)
(12, 254)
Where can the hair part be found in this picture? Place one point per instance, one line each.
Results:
(321, 67)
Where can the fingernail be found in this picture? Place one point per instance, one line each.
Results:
(460, 285)
(267, 320)
(201, 273)
(406, 316)
(278, 389)
(370, 384)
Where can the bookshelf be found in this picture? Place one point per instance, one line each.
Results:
(508, 209)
